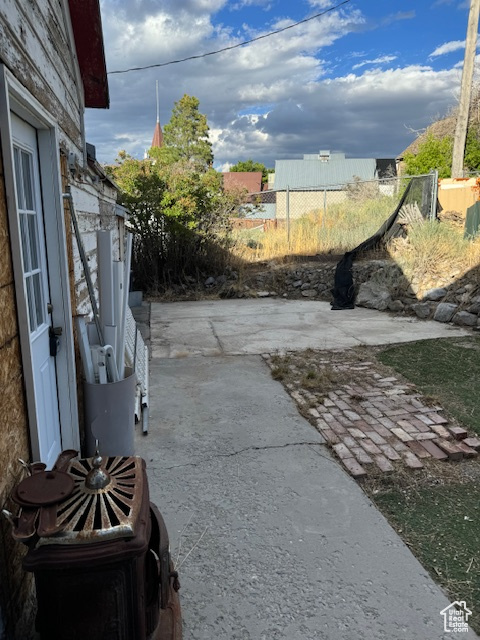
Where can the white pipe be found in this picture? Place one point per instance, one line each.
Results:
(110, 362)
(123, 324)
(105, 278)
(118, 307)
(110, 337)
(84, 347)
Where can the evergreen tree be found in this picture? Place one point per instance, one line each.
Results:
(187, 133)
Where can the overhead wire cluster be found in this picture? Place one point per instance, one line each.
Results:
(233, 46)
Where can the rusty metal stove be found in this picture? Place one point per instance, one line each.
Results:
(99, 551)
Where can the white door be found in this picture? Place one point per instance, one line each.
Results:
(46, 422)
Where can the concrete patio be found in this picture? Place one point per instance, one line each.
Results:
(272, 538)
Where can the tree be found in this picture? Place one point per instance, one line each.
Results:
(250, 165)
(472, 150)
(178, 213)
(186, 135)
(434, 153)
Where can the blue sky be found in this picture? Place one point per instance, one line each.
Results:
(360, 79)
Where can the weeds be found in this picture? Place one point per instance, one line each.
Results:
(434, 248)
(279, 373)
(339, 228)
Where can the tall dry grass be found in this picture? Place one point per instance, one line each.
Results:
(433, 248)
(343, 227)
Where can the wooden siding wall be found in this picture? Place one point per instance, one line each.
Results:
(34, 45)
(95, 210)
(15, 585)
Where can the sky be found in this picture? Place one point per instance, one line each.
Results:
(362, 79)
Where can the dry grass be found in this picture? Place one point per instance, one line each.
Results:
(432, 249)
(435, 249)
(344, 226)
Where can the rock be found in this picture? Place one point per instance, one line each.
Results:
(221, 279)
(445, 312)
(474, 308)
(373, 296)
(309, 293)
(230, 292)
(396, 305)
(435, 294)
(263, 294)
(422, 309)
(306, 285)
(297, 283)
(465, 319)
(209, 282)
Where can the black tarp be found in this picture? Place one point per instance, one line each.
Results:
(344, 289)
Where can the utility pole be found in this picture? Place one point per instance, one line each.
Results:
(465, 91)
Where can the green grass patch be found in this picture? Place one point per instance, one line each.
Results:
(445, 369)
(441, 524)
(438, 513)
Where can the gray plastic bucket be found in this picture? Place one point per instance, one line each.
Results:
(110, 416)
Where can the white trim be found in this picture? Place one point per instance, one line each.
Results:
(14, 97)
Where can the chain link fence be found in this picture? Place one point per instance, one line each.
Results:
(292, 204)
(337, 216)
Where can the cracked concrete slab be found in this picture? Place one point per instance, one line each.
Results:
(242, 327)
(273, 539)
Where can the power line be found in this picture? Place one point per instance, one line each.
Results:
(233, 46)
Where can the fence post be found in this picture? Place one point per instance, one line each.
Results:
(324, 207)
(288, 215)
(433, 209)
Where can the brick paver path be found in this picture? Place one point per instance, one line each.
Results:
(377, 422)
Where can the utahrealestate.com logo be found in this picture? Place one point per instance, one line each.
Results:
(455, 617)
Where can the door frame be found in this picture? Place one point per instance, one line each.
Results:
(15, 97)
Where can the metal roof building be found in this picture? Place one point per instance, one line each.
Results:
(324, 170)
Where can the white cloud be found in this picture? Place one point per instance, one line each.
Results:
(448, 47)
(266, 5)
(379, 60)
(321, 4)
(281, 86)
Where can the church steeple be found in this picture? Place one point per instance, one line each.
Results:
(157, 134)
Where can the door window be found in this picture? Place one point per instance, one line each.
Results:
(30, 230)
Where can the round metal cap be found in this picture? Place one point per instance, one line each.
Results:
(44, 488)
